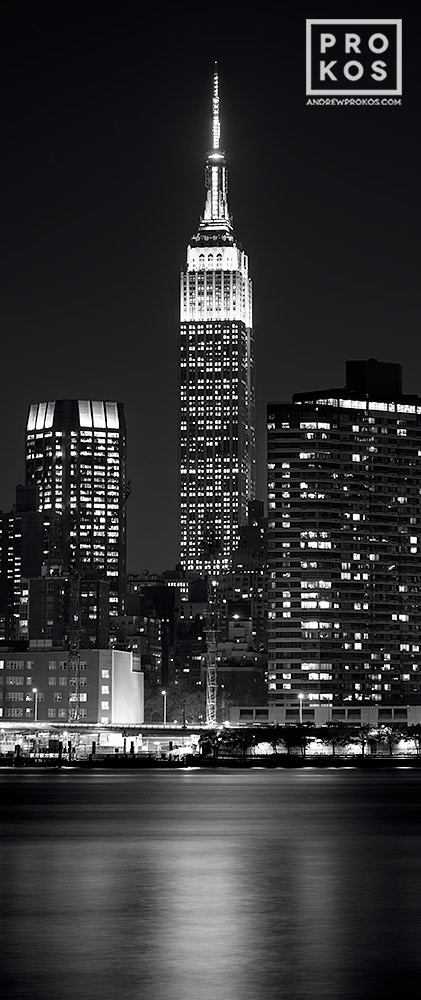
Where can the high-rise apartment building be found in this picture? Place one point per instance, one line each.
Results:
(344, 543)
(217, 382)
(76, 458)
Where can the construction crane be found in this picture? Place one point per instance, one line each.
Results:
(127, 489)
(211, 547)
(74, 646)
(211, 632)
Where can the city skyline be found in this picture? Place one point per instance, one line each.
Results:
(104, 153)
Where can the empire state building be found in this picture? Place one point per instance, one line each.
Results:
(217, 380)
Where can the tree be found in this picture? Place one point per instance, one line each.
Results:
(239, 690)
(305, 733)
(361, 735)
(209, 743)
(240, 739)
(296, 736)
(153, 704)
(272, 735)
(334, 734)
(390, 736)
(414, 733)
(185, 702)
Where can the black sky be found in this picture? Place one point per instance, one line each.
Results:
(106, 124)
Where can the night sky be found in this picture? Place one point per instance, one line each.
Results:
(105, 127)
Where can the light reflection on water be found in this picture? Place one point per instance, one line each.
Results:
(202, 885)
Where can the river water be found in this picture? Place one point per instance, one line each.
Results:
(211, 885)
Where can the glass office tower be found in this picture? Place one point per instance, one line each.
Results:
(76, 457)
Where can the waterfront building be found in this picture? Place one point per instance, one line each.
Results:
(370, 715)
(344, 544)
(36, 684)
(217, 380)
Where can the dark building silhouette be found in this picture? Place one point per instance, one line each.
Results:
(243, 590)
(190, 636)
(147, 596)
(48, 608)
(140, 633)
(29, 538)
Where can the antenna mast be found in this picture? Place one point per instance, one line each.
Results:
(216, 125)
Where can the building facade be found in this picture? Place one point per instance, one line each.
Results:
(76, 458)
(141, 635)
(217, 380)
(45, 609)
(344, 544)
(242, 591)
(371, 715)
(29, 538)
(36, 685)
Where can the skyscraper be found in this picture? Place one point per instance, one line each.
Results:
(76, 457)
(344, 543)
(29, 538)
(217, 382)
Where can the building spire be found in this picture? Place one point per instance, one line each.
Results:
(216, 125)
(216, 217)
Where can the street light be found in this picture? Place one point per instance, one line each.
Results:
(300, 702)
(164, 695)
(35, 694)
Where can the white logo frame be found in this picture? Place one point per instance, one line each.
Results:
(397, 21)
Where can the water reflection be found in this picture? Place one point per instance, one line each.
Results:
(266, 885)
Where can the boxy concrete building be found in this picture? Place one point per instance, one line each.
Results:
(40, 684)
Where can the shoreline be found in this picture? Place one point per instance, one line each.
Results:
(191, 761)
